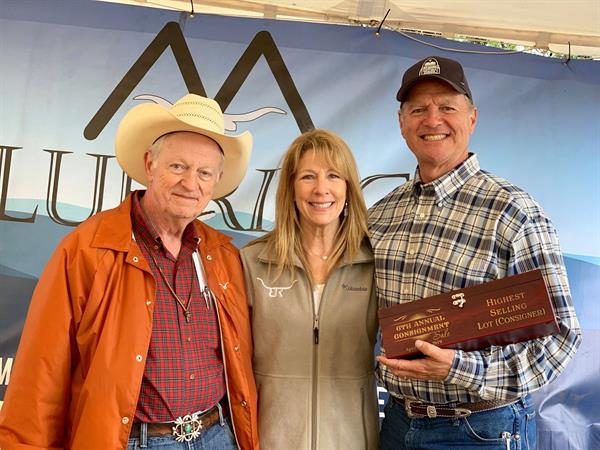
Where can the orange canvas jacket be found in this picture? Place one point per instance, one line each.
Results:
(78, 370)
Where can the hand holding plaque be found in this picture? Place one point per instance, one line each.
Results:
(500, 312)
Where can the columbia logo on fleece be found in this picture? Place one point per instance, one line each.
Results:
(353, 288)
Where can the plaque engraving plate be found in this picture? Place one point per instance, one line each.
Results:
(499, 312)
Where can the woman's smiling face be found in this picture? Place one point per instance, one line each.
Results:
(320, 192)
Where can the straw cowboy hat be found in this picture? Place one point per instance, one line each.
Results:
(143, 124)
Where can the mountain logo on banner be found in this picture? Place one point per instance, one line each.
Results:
(171, 36)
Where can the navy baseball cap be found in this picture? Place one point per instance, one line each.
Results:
(435, 67)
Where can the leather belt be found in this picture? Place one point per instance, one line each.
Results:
(416, 409)
(198, 422)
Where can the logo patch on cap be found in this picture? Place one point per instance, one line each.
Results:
(430, 67)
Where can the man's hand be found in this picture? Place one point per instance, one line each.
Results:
(434, 366)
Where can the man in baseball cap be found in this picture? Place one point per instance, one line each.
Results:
(452, 226)
(138, 333)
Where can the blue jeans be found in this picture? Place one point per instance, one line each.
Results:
(216, 437)
(480, 430)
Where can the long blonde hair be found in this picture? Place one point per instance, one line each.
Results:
(284, 241)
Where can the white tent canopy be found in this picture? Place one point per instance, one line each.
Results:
(562, 26)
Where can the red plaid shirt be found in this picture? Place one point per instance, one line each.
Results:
(184, 367)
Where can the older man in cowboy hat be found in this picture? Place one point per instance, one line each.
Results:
(138, 332)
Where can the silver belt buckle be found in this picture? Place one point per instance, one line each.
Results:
(187, 427)
(409, 413)
(431, 410)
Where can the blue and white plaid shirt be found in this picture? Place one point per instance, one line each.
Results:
(464, 229)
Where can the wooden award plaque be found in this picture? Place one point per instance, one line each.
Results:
(500, 312)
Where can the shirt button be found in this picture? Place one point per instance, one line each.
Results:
(125, 420)
(412, 251)
(148, 302)
(156, 247)
(236, 349)
(421, 216)
(135, 259)
(189, 339)
(209, 257)
(139, 358)
(440, 204)
(244, 404)
(192, 377)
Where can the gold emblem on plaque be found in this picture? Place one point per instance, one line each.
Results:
(459, 299)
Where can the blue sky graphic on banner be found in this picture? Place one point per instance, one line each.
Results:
(70, 71)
